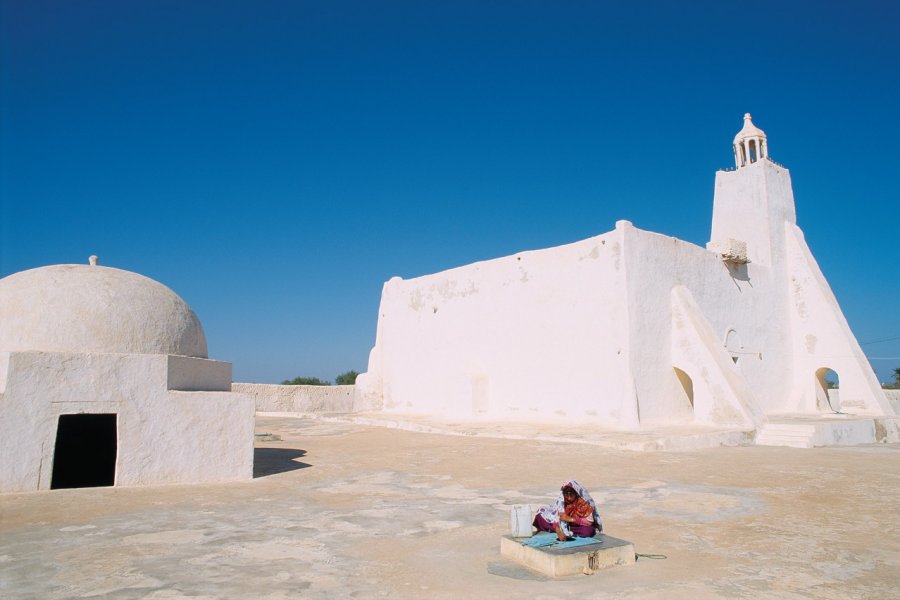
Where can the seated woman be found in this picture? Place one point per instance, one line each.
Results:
(574, 514)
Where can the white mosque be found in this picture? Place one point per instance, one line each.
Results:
(105, 379)
(633, 330)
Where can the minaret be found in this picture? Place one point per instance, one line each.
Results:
(752, 203)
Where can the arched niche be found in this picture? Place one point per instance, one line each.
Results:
(686, 387)
(827, 385)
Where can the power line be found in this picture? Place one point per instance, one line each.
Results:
(887, 339)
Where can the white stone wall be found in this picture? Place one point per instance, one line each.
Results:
(684, 303)
(822, 340)
(751, 204)
(163, 435)
(629, 328)
(516, 337)
(301, 398)
(583, 331)
(893, 397)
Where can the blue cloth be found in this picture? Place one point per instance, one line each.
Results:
(545, 538)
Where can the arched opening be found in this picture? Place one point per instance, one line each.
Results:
(687, 386)
(733, 345)
(85, 451)
(752, 150)
(828, 385)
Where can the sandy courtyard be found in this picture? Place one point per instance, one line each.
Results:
(343, 510)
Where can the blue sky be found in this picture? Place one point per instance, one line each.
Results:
(275, 162)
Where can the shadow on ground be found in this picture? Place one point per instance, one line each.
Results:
(271, 461)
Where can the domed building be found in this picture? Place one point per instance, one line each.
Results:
(105, 380)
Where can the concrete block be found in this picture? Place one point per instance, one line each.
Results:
(802, 431)
(559, 560)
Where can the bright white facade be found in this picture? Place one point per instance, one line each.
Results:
(631, 328)
(89, 351)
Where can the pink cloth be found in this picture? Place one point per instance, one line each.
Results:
(577, 530)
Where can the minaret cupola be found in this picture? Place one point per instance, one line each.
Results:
(749, 144)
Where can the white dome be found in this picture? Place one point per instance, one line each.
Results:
(749, 130)
(93, 309)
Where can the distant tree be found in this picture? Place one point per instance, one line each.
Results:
(305, 381)
(831, 385)
(896, 384)
(348, 378)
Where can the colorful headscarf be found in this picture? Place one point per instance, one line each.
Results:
(551, 512)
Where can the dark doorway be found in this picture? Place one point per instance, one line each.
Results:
(85, 452)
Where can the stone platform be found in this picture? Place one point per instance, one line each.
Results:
(559, 559)
(837, 429)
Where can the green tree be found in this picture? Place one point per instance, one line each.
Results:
(305, 381)
(348, 378)
(896, 384)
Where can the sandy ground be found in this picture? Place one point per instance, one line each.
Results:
(343, 510)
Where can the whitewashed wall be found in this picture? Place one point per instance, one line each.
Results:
(629, 328)
(164, 435)
(823, 340)
(301, 398)
(893, 397)
(516, 337)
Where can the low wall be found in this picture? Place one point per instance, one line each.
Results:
(342, 398)
(893, 397)
(300, 398)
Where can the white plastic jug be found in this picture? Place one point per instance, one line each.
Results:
(520, 520)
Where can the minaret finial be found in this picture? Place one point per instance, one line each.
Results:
(750, 144)
(93, 260)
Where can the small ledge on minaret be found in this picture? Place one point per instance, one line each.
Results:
(93, 260)
(730, 250)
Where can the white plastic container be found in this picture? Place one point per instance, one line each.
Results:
(520, 519)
